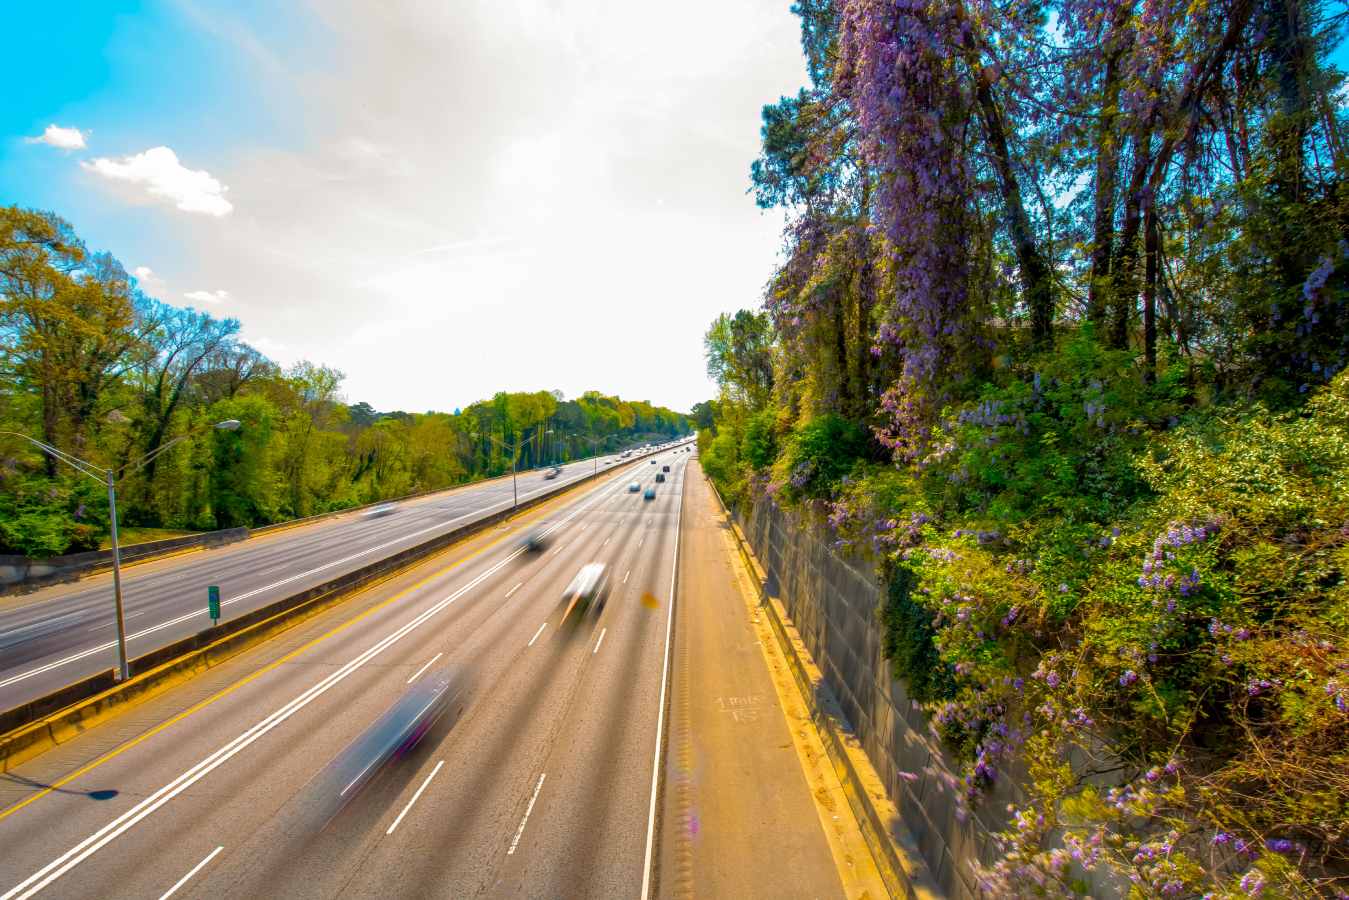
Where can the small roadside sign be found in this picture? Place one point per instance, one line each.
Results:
(213, 603)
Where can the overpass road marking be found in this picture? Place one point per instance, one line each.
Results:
(439, 763)
(519, 832)
(188, 877)
(417, 674)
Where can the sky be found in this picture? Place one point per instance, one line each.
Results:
(442, 199)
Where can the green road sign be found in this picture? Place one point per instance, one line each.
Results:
(213, 602)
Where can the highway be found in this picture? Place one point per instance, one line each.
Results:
(541, 782)
(56, 636)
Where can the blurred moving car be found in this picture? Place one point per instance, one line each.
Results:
(665, 468)
(392, 735)
(660, 477)
(381, 509)
(650, 494)
(536, 542)
(588, 591)
(634, 487)
(553, 472)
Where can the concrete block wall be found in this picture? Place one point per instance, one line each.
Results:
(833, 602)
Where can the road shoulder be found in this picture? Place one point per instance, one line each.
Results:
(752, 806)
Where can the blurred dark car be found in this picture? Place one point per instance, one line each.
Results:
(665, 468)
(434, 697)
(660, 477)
(650, 494)
(536, 542)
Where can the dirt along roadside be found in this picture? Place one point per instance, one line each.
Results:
(751, 806)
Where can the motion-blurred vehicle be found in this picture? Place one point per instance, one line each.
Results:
(381, 509)
(588, 592)
(634, 487)
(665, 468)
(433, 697)
(536, 542)
(553, 472)
(653, 462)
(650, 494)
(660, 477)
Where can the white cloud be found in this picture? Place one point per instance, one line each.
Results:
(213, 297)
(162, 175)
(430, 225)
(61, 138)
(150, 282)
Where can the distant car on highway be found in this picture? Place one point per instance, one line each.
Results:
(653, 462)
(381, 509)
(553, 472)
(665, 468)
(634, 487)
(660, 477)
(650, 494)
(536, 542)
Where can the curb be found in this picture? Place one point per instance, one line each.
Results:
(893, 848)
(46, 722)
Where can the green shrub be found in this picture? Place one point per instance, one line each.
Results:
(817, 456)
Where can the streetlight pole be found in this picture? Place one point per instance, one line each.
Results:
(109, 478)
(514, 451)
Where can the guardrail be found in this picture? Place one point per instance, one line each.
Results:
(20, 574)
(51, 720)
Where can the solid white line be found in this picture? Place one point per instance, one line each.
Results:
(519, 832)
(600, 641)
(193, 871)
(127, 820)
(514, 589)
(660, 722)
(439, 763)
(536, 635)
(417, 674)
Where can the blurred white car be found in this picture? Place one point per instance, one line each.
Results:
(382, 509)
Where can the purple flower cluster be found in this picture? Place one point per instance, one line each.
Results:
(1337, 694)
(1257, 686)
(1163, 555)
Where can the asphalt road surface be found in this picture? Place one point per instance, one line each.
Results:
(58, 635)
(539, 782)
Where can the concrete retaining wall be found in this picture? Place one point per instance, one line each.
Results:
(833, 603)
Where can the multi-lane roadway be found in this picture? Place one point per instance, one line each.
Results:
(541, 782)
(58, 635)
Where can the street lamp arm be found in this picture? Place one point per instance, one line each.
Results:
(73, 461)
(227, 425)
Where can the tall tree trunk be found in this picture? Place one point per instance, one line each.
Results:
(1124, 267)
(1107, 172)
(1151, 242)
(1037, 286)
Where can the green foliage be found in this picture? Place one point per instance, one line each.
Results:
(817, 455)
(41, 518)
(758, 448)
(909, 641)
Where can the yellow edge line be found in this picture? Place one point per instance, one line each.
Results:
(224, 692)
